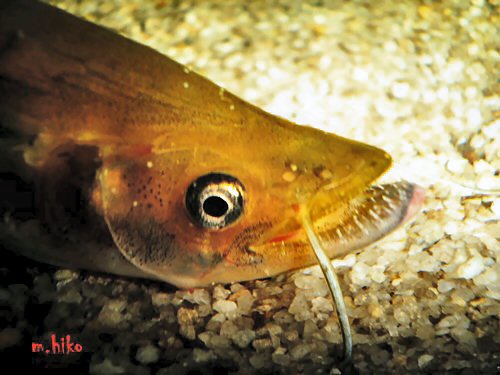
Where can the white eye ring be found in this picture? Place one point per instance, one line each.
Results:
(214, 200)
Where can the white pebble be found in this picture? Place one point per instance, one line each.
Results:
(422, 262)
(161, 299)
(490, 278)
(205, 337)
(474, 117)
(259, 360)
(489, 183)
(424, 360)
(65, 275)
(220, 342)
(445, 286)
(495, 208)
(106, 367)
(300, 351)
(348, 261)
(312, 284)
(321, 304)
(243, 337)
(220, 292)
(200, 355)
(245, 301)
(198, 296)
(224, 306)
(470, 269)
(148, 354)
(377, 274)
(300, 309)
(401, 316)
(400, 90)
(482, 167)
(463, 336)
(457, 165)
(359, 274)
(280, 357)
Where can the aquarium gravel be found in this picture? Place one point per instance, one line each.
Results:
(417, 78)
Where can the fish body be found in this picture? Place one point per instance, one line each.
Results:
(118, 159)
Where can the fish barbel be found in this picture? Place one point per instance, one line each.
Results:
(118, 159)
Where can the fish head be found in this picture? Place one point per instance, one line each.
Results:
(222, 205)
(195, 185)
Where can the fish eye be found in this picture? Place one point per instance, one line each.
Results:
(215, 200)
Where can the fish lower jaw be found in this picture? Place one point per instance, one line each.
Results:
(366, 218)
(373, 215)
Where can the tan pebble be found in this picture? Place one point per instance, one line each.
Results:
(375, 310)
(477, 302)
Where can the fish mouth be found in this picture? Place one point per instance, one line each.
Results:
(344, 225)
(367, 217)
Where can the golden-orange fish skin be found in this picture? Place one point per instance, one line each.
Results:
(91, 114)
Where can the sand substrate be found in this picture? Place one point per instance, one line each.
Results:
(417, 80)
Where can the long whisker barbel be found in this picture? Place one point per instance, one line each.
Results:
(333, 285)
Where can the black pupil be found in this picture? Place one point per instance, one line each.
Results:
(215, 206)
